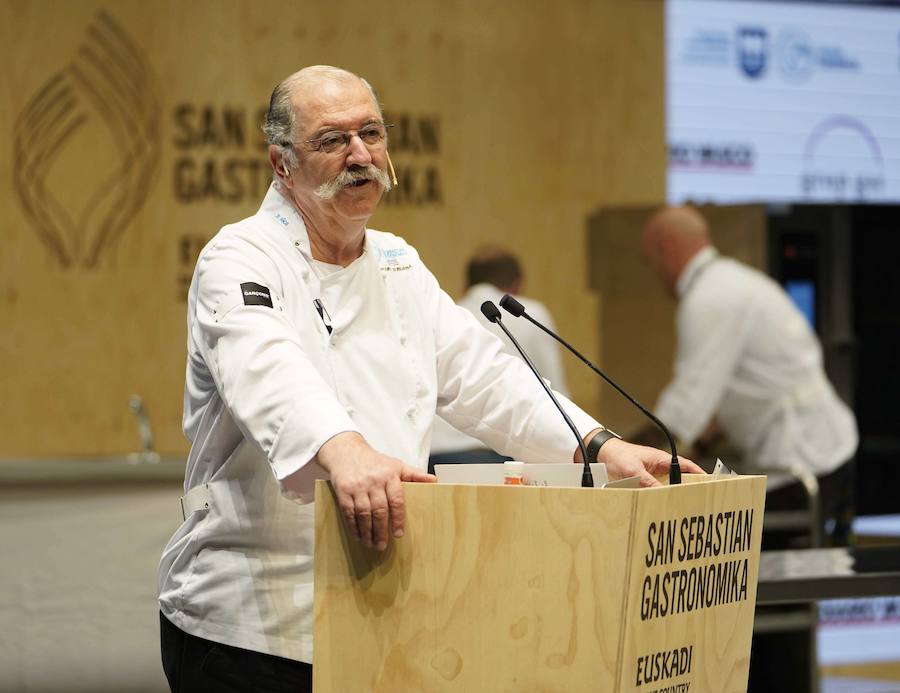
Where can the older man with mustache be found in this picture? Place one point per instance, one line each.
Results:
(318, 348)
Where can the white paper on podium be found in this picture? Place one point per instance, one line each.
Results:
(627, 482)
(557, 475)
(721, 470)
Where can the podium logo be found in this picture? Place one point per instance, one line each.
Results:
(87, 147)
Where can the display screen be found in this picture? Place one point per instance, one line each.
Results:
(803, 294)
(782, 101)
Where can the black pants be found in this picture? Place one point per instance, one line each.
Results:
(195, 665)
(781, 661)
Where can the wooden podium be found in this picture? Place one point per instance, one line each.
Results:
(505, 588)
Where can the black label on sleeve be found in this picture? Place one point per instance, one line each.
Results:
(256, 294)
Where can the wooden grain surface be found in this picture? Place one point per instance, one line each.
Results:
(462, 604)
(515, 589)
(717, 633)
(543, 111)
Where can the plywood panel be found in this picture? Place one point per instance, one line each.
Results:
(544, 589)
(129, 136)
(461, 603)
(692, 587)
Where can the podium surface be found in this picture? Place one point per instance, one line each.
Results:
(499, 588)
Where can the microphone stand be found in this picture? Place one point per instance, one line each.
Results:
(492, 313)
(516, 309)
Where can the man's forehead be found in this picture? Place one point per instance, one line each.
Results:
(333, 102)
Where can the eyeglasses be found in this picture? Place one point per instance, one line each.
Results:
(337, 141)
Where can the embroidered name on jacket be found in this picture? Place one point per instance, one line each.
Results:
(256, 294)
(394, 260)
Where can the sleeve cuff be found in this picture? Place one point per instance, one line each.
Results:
(295, 446)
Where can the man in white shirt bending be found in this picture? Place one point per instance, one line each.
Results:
(748, 366)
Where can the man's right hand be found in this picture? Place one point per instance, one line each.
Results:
(368, 487)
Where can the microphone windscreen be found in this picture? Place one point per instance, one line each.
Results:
(490, 311)
(512, 306)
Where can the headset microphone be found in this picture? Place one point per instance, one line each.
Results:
(391, 167)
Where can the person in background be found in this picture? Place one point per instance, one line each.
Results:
(749, 367)
(490, 273)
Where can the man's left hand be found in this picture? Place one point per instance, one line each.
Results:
(624, 459)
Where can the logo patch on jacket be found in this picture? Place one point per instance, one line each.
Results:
(256, 294)
(394, 259)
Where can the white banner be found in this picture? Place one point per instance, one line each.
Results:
(782, 102)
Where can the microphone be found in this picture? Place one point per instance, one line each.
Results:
(516, 309)
(492, 313)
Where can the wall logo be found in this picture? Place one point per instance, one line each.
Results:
(752, 50)
(104, 101)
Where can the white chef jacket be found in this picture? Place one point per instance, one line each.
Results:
(747, 356)
(267, 385)
(540, 347)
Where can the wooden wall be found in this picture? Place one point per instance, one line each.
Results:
(128, 137)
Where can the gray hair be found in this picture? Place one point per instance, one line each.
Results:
(281, 119)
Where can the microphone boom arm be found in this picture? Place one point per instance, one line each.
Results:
(516, 309)
(490, 311)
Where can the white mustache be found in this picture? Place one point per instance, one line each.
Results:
(347, 177)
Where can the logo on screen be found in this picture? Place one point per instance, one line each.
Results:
(720, 156)
(796, 55)
(752, 50)
(842, 160)
(799, 57)
(87, 145)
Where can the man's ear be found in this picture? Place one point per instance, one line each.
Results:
(276, 159)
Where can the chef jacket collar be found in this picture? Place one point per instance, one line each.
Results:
(698, 263)
(280, 214)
